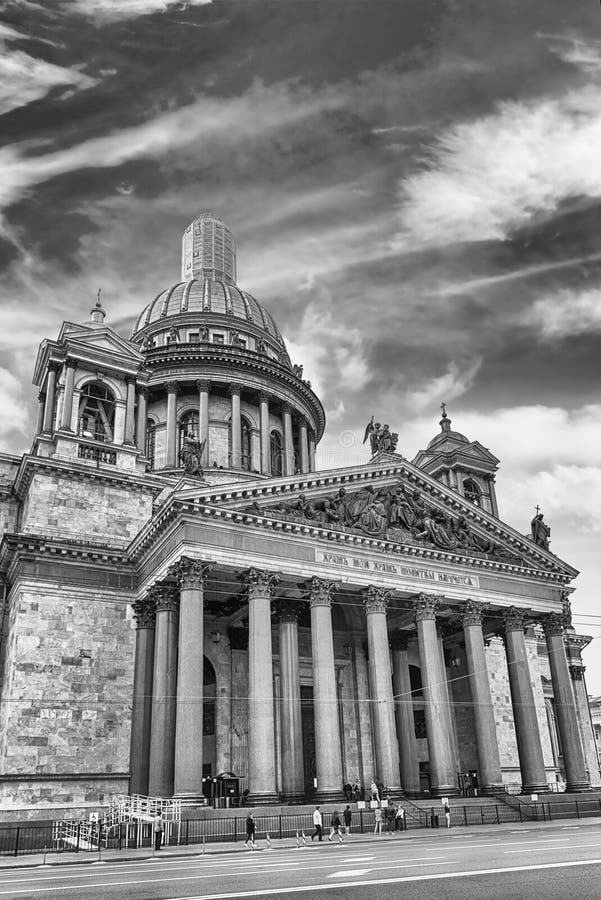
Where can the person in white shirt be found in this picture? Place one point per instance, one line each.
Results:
(317, 821)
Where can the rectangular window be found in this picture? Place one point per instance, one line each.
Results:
(218, 338)
(194, 337)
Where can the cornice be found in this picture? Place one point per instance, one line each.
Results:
(75, 470)
(166, 363)
(15, 547)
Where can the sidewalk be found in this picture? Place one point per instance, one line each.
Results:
(87, 857)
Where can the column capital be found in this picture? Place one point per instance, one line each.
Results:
(166, 597)
(577, 672)
(234, 389)
(203, 385)
(143, 391)
(54, 366)
(320, 591)
(190, 573)
(303, 422)
(286, 409)
(259, 582)
(375, 599)
(70, 363)
(145, 610)
(425, 606)
(514, 619)
(288, 610)
(172, 387)
(264, 397)
(400, 640)
(130, 379)
(554, 625)
(471, 613)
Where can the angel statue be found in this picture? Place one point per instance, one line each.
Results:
(191, 456)
(380, 437)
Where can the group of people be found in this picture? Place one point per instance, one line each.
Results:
(335, 824)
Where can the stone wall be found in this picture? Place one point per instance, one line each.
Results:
(66, 703)
(87, 508)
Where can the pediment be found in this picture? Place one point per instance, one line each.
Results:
(103, 340)
(389, 501)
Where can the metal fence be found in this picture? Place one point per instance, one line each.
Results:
(23, 839)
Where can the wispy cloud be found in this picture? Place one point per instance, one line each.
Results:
(502, 171)
(116, 10)
(24, 78)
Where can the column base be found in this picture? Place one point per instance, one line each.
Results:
(577, 787)
(540, 788)
(334, 796)
(293, 797)
(267, 799)
(444, 791)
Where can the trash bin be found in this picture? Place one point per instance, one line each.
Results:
(434, 823)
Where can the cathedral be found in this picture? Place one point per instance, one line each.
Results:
(186, 596)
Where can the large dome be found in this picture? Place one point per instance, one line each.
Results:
(204, 298)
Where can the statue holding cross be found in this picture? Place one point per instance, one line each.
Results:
(539, 530)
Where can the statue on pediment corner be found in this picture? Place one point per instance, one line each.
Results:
(381, 438)
(540, 531)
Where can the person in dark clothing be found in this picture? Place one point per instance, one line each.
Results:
(347, 816)
(335, 826)
(158, 828)
(250, 831)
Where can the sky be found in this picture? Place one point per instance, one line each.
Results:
(415, 191)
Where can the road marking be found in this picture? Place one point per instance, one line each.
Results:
(350, 873)
(358, 859)
(435, 876)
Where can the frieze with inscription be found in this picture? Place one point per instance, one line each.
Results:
(394, 514)
(415, 573)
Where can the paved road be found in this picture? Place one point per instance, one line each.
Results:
(563, 862)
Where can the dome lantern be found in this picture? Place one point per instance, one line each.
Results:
(208, 251)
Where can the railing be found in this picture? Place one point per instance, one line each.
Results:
(97, 454)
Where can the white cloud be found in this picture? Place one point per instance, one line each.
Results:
(448, 386)
(489, 176)
(114, 10)
(567, 313)
(14, 414)
(23, 78)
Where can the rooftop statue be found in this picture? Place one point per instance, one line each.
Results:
(539, 530)
(381, 438)
(191, 456)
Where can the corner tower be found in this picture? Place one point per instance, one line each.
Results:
(463, 465)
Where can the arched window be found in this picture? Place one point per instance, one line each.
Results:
(472, 492)
(188, 427)
(96, 413)
(275, 449)
(150, 441)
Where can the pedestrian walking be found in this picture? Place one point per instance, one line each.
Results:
(250, 831)
(317, 822)
(399, 819)
(447, 814)
(347, 816)
(377, 820)
(335, 827)
(158, 828)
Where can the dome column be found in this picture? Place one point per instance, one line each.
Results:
(142, 414)
(204, 388)
(130, 408)
(303, 445)
(50, 404)
(264, 433)
(288, 441)
(312, 467)
(67, 413)
(236, 427)
(172, 390)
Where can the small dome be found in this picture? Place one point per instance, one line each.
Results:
(447, 439)
(205, 298)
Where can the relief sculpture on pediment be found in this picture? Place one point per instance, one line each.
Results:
(394, 513)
